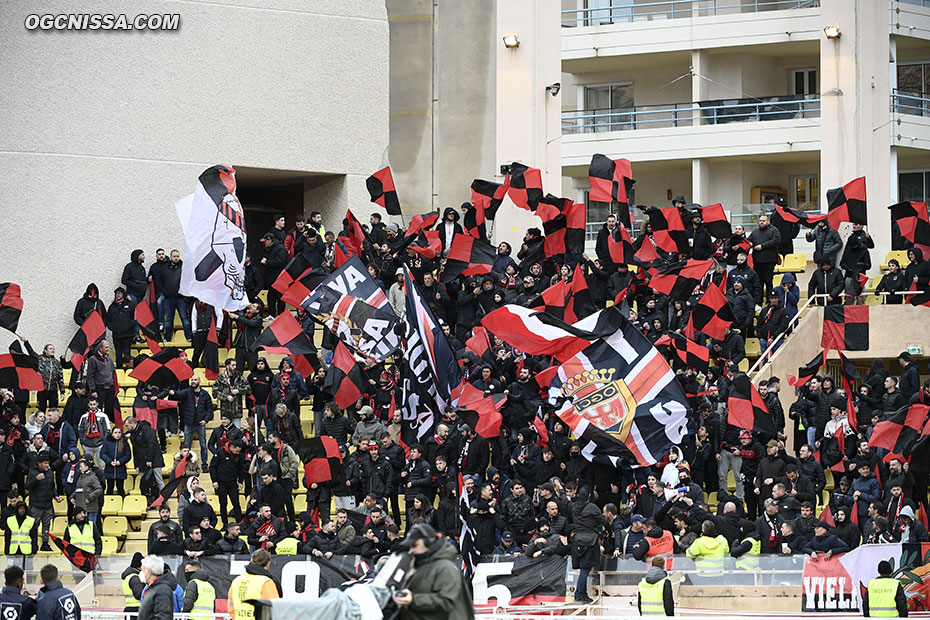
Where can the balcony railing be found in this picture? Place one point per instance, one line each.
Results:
(910, 102)
(628, 11)
(718, 112)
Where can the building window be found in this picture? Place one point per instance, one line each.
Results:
(805, 192)
(914, 78)
(804, 82)
(913, 185)
(611, 105)
(608, 11)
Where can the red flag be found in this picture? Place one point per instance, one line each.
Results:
(321, 459)
(82, 560)
(345, 380)
(487, 196)
(148, 326)
(827, 516)
(421, 222)
(711, 316)
(525, 186)
(211, 352)
(847, 204)
(172, 485)
(20, 371)
(164, 369)
(383, 193)
(467, 256)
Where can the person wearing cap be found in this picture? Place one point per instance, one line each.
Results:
(865, 490)
(884, 596)
(772, 321)
(437, 589)
(771, 469)
(15, 604)
(132, 583)
(507, 545)
(82, 534)
(825, 542)
(368, 427)
(654, 593)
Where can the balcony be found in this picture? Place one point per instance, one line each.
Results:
(629, 11)
(912, 127)
(716, 112)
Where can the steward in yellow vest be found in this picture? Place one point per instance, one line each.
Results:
(655, 591)
(20, 531)
(709, 551)
(82, 533)
(255, 583)
(884, 597)
(199, 594)
(132, 583)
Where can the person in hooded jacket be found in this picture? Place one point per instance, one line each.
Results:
(587, 522)
(917, 272)
(448, 228)
(504, 259)
(743, 304)
(702, 246)
(856, 260)
(532, 251)
(250, 329)
(89, 304)
(827, 242)
(135, 280)
(120, 321)
(656, 579)
(772, 322)
(744, 272)
(789, 294)
(894, 281)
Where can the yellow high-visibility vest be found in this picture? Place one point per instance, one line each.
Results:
(131, 600)
(206, 599)
(881, 597)
(288, 546)
(20, 539)
(83, 540)
(243, 588)
(651, 601)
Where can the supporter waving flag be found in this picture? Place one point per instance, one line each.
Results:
(321, 459)
(621, 399)
(716, 222)
(668, 231)
(553, 300)
(383, 193)
(689, 353)
(20, 371)
(285, 336)
(487, 196)
(525, 186)
(913, 223)
(92, 331)
(468, 256)
(422, 222)
(809, 370)
(612, 181)
(711, 315)
(163, 370)
(345, 379)
(847, 204)
(679, 280)
(148, 326)
(903, 431)
(747, 409)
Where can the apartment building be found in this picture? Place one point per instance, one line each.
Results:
(744, 101)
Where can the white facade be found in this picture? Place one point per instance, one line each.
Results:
(102, 131)
(737, 101)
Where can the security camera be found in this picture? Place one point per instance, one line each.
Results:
(553, 89)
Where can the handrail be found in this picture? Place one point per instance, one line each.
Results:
(625, 11)
(621, 119)
(910, 102)
(784, 335)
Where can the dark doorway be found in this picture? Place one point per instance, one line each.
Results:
(261, 204)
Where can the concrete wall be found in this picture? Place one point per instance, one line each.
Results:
(102, 131)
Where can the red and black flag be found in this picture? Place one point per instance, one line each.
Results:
(668, 231)
(467, 256)
(211, 352)
(480, 344)
(427, 244)
(845, 328)
(679, 280)
(301, 288)
(381, 187)
(92, 331)
(307, 364)
(11, 305)
(553, 300)
(488, 196)
(356, 237)
(847, 204)
(475, 222)
(482, 413)
(902, 431)
(564, 228)
(792, 216)
(539, 424)
(809, 370)
(579, 304)
(525, 186)
(850, 375)
(620, 246)
(422, 222)
(716, 222)
(711, 315)
(646, 254)
(177, 476)
(285, 336)
(320, 456)
(747, 409)
(82, 560)
(612, 181)
(164, 369)
(295, 268)
(913, 223)
(689, 353)
(20, 371)
(341, 255)
(148, 326)
(345, 379)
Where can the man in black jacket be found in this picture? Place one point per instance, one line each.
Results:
(147, 455)
(416, 476)
(230, 542)
(164, 521)
(602, 247)
(158, 602)
(274, 261)
(197, 510)
(196, 409)
(772, 321)
(474, 453)
(827, 281)
(765, 241)
(41, 486)
(702, 246)
(134, 277)
(227, 471)
(170, 278)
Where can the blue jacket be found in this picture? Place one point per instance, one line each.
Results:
(11, 597)
(56, 602)
(108, 454)
(297, 379)
(789, 299)
(828, 542)
(869, 491)
(194, 411)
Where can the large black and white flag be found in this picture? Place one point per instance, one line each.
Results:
(214, 230)
(430, 370)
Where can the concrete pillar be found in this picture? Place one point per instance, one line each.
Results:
(528, 125)
(855, 97)
(699, 66)
(700, 181)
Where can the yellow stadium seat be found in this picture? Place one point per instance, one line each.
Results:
(743, 365)
(872, 284)
(776, 279)
(112, 504)
(753, 347)
(873, 300)
(214, 501)
(829, 477)
(900, 256)
(58, 526)
(61, 508)
(731, 481)
(134, 507)
(793, 263)
(109, 545)
(115, 526)
(300, 503)
(712, 498)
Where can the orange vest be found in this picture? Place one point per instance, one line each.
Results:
(663, 546)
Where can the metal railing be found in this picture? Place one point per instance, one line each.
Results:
(766, 355)
(717, 112)
(629, 11)
(924, 3)
(910, 102)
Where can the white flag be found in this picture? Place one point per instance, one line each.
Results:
(214, 230)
